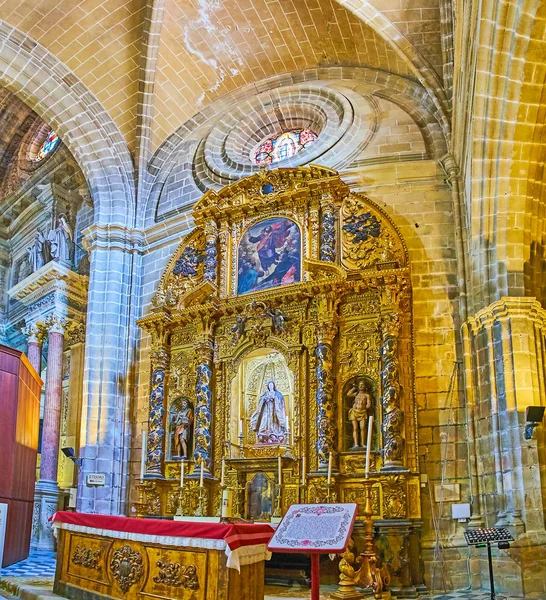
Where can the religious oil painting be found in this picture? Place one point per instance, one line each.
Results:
(269, 255)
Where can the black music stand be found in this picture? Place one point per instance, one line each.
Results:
(485, 537)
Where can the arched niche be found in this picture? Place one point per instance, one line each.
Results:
(255, 370)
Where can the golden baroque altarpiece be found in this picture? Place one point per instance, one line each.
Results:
(281, 324)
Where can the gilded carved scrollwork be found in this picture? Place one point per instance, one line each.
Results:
(393, 416)
(366, 238)
(210, 270)
(127, 567)
(175, 575)
(394, 497)
(86, 557)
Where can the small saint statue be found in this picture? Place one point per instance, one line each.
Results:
(37, 253)
(183, 421)
(358, 413)
(269, 420)
(61, 240)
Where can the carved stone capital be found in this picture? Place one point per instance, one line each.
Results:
(35, 333)
(56, 324)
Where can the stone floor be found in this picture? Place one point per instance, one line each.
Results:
(35, 575)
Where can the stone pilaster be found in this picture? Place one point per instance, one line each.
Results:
(506, 374)
(48, 495)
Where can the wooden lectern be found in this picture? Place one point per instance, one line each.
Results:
(20, 387)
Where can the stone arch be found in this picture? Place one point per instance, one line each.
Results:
(409, 95)
(375, 19)
(47, 86)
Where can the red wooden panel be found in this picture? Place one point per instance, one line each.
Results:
(18, 531)
(20, 410)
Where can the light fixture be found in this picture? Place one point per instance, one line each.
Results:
(69, 453)
(533, 417)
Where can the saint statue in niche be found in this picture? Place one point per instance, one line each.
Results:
(61, 240)
(269, 420)
(182, 420)
(359, 411)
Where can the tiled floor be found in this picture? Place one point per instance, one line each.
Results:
(39, 569)
(38, 564)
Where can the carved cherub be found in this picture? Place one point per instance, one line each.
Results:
(238, 330)
(279, 320)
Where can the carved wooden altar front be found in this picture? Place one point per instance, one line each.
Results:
(295, 293)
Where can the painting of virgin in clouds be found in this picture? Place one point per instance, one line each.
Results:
(269, 255)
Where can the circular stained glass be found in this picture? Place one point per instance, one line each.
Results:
(50, 143)
(283, 146)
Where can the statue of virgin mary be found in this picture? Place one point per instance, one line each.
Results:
(269, 419)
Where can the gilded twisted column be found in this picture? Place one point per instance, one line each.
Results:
(393, 416)
(211, 252)
(156, 413)
(203, 404)
(327, 231)
(326, 428)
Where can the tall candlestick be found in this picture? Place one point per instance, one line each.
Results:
(279, 469)
(182, 468)
(303, 470)
(201, 475)
(329, 468)
(223, 471)
(369, 445)
(143, 455)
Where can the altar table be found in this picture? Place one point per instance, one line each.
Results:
(118, 557)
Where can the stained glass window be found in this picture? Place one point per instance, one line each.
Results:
(50, 143)
(283, 146)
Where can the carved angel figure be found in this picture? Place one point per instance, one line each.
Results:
(279, 320)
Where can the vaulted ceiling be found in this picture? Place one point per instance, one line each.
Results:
(169, 59)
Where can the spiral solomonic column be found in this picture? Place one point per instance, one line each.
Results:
(156, 413)
(327, 433)
(210, 272)
(393, 416)
(203, 405)
(327, 231)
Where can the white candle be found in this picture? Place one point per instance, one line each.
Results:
(241, 428)
(303, 470)
(279, 469)
(182, 468)
(143, 455)
(369, 445)
(329, 468)
(223, 471)
(201, 475)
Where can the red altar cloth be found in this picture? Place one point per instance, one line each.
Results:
(234, 535)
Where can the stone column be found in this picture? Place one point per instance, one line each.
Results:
(203, 405)
(326, 426)
(47, 494)
(35, 337)
(393, 416)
